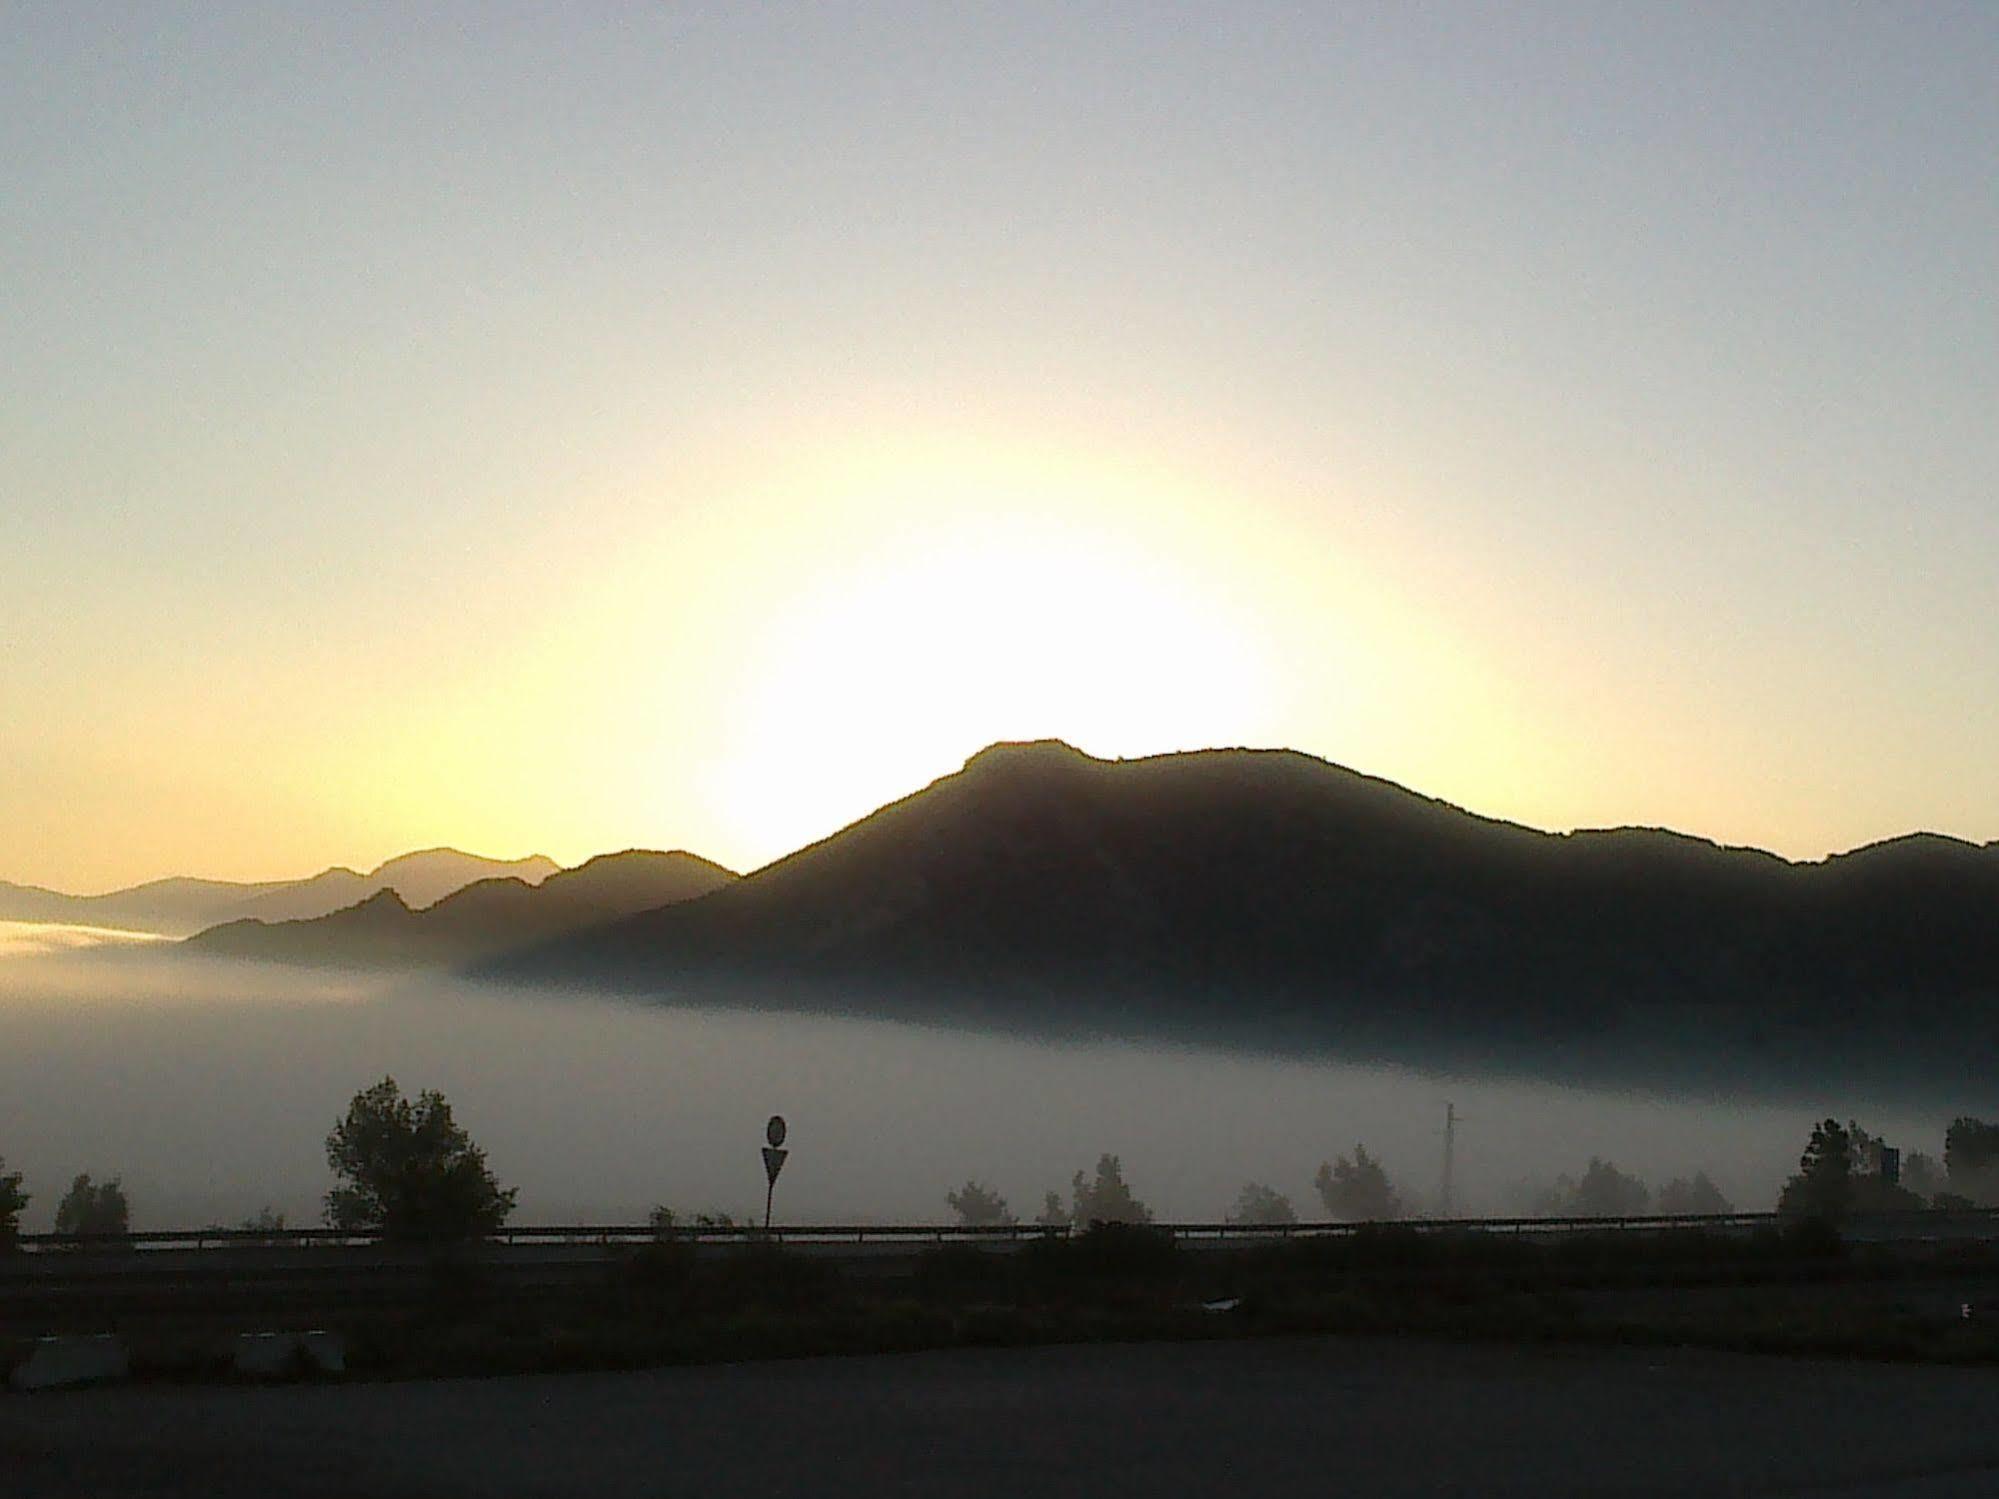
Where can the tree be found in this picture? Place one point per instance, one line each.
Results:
(1971, 1159)
(1872, 1191)
(979, 1206)
(1922, 1175)
(409, 1171)
(1603, 1192)
(97, 1208)
(12, 1201)
(1052, 1214)
(1864, 1150)
(1823, 1186)
(1107, 1199)
(1683, 1198)
(1357, 1190)
(1258, 1204)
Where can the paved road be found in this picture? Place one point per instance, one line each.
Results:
(1213, 1419)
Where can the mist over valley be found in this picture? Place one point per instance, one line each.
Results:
(1223, 967)
(208, 1086)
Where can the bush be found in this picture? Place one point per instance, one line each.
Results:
(765, 1277)
(666, 1266)
(1814, 1237)
(1124, 1252)
(959, 1271)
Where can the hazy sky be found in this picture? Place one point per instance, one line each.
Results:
(568, 427)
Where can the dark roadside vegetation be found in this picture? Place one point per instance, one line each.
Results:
(428, 1294)
(1795, 1290)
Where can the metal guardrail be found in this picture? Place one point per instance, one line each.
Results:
(1917, 1224)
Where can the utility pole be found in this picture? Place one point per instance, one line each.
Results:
(1450, 1151)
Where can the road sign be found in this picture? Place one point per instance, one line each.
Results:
(774, 1154)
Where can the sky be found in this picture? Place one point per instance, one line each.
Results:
(564, 428)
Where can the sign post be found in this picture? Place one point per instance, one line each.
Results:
(774, 1154)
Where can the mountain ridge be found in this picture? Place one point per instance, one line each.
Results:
(1267, 891)
(179, 905)
(485, 917)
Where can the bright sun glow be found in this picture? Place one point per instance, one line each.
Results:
(891, 671)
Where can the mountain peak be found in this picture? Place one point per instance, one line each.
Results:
(1273, 897)
(456, 857)
(1009, 754)
(427, 875)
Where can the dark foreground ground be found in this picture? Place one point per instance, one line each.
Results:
(1348, 1416)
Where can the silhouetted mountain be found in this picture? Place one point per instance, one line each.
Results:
(171, 905)
(1268, 896)
(424, 878)
(179, 906)
(481, 919)
(329, 890)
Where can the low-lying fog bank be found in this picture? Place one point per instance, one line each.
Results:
(210, 1086)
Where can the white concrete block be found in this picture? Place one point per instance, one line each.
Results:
(73, 1360)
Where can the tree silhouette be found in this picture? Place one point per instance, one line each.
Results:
(1971, 1159)
(410, 1172)
(1107, 1199)
(1052, 1214)
(1357, 1190)
(1823, 1186)
(1683, 1198)
(1921, 1175)
(978, 1206)
(1258, 1204)
(1872, 1191)
(12, 1201)
(94, 1208)
(1602, 1192)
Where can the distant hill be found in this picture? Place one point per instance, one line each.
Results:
(177, 907)
(422, 879)
(172, 906)
(479, 920)
(1273, 898)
